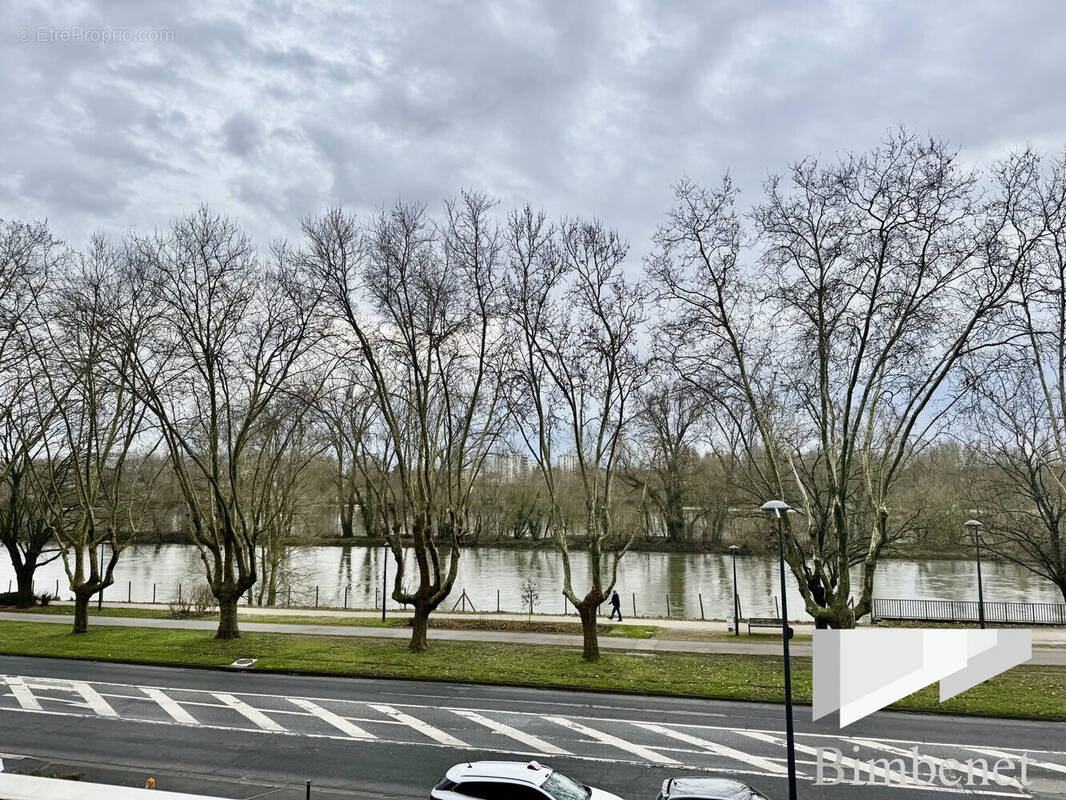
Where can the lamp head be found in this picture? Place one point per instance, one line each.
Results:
(972, 524)
(775, 508)
(733, 548)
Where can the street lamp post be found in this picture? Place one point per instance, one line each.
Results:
(974, 525)
(736, 597)
(778, 509)
(384, 577)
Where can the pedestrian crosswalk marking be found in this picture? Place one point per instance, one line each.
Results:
(93, 698)
(646, 753)
(423, 727)
(535, 742)
(698, 747)
(22, 693)
(718, 749)
(170, 705)
(253, 714)
(337, 721)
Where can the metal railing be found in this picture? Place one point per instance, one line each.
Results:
(967, 611)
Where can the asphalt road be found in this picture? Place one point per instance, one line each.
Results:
(244, 735)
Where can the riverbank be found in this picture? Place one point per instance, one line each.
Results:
(1027, 692)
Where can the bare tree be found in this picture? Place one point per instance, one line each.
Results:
(29, 258)
(286, 442)
(421, 306)
(877, 274)
(350, 416)
(94, 474)
(230, 335)
(1019, 417)
(671, 421)
(575, 379)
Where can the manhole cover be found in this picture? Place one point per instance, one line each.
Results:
(244, 663)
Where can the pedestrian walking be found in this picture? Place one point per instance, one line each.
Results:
(616, 606)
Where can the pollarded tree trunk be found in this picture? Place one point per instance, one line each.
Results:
(227, 616)
(24, 578)
(81, 611)
(419, 628)
(228, 600)
(590, 644)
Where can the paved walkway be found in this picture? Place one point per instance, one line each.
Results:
(1053, 654)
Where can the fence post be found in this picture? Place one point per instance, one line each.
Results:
(668, 606)
(316, 596)
(153, 594)
(701, 605)
(309, 790)
(288, 597)
(129, 591)
(346, 597)
(634, 604)
(179, 592)
(57, 587)
(498, 602)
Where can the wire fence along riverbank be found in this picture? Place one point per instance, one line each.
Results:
(634, 604)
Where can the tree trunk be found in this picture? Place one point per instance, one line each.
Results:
(836, 617)
(227, 618)
(81, 612)
(24, 577)
(419, 626)
(590, 647)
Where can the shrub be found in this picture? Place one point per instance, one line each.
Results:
(202, 600)
(180, 609)
(198, 603)
(44, 598)
(9, 598)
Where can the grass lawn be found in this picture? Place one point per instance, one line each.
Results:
(1025, 692)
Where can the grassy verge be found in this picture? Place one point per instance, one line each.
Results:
(1024, 692)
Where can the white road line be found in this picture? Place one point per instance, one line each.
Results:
(253, 714)
(952, 764)
(614, 741)
(337, 721)
(423, 727)
(171, 706)
(93, 698)
(22, 693)
(1046, 765)
(716, 748)
(538, 744)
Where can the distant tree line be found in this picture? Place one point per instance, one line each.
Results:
(880, 340)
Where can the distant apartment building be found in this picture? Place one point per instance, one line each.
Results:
(509, 467)
(567, 462)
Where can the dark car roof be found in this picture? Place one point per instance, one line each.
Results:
(708, 789)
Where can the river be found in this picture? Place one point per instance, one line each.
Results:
(646, 579)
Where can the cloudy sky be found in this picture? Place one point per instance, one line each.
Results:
(124, 114)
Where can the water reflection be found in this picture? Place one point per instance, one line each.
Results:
(646, 579)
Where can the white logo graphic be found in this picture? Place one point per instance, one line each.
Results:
(862, 671)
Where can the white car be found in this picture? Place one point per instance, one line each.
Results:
(512, 780)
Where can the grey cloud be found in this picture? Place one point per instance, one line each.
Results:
(594, 109)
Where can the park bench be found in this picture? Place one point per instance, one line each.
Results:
(763, 622)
